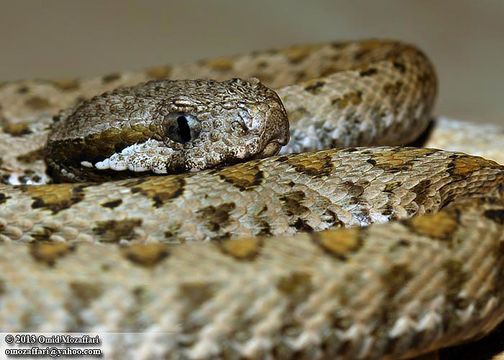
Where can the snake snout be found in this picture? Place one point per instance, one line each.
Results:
(276, 131)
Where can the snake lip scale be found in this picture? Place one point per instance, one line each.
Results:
(224, 219)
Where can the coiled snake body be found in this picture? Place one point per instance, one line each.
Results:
(418, 266)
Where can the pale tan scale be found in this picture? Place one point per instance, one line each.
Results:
(420, 266)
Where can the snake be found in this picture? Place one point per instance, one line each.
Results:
(267, 205)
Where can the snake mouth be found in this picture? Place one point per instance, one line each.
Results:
(271, 149)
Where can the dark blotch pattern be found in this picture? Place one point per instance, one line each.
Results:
(368, 72)
(112, 204)
(421, 191)
(43, 234)
(393, 89)
(244, 176)
(496, 215)
(146, 255)
(391, 186)
(49, 252)
(195, 294)
(111, 77)
(292, 203)
(37, 103)
(160, 189)
(263, 227)
(56, 197)
(261, 223)
(16, 129)
(315, 88)
(348, 99)
(112, 231)
(297, 286)
(313, 166)
(456, 277)
(302, 225)
(396, 278)
(400, 66)
(159, 72)
(353, 189)
(172, 233)
(23, 89)
(85, 292)
(3, 198)
(32, 156)
(216, 217)
(67, 84)
(241, 249)
(340, 243)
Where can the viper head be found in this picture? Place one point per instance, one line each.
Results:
(165, 127)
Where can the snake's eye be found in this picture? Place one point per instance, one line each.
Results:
(182, 127)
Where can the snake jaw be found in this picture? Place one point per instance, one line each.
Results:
(271, 149)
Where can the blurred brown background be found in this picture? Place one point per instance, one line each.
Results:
(62, 38)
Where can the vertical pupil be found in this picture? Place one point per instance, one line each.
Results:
(183, 129)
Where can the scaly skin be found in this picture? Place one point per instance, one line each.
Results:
(339, 94)
(392, 289)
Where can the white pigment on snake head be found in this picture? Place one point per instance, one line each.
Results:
(166, 127)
